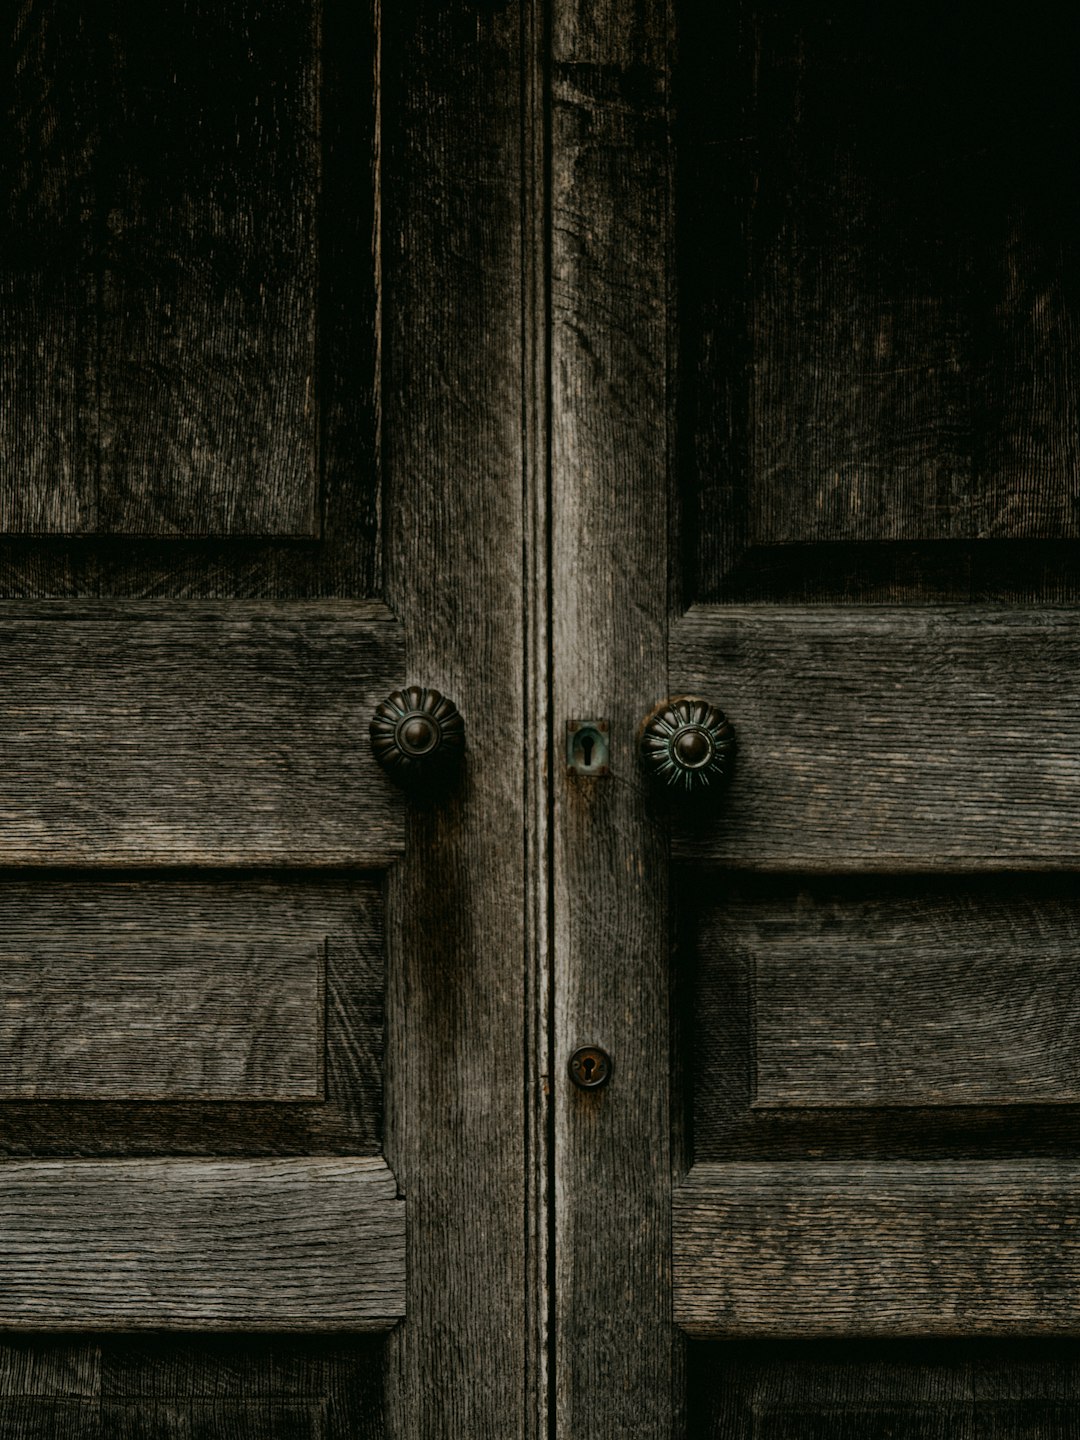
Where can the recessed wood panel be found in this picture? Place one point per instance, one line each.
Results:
(200, 740)
(130, 1385)
(209, 1013)
(48, 317)
(899, 1390)
(882, 999)
(889, 739)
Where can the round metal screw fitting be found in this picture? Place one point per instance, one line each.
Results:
(590, 1067)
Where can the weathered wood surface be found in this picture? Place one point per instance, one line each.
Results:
(221, 1022)
(195, 742)
(208, 194)
(890, 739)
(48, 322)
(320, 923)
(615, 1358)
(226, 1386)
(949, 1000)
(201, 1244)
(880, 1248)
(945, 1021)
(537, 778)
(874, 350)
(246, 314)
(165, 265)
(980, 1067)
(884, 1390)
(456, 542)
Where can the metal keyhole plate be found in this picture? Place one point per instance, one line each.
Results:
(590, 1067)
(587, 750)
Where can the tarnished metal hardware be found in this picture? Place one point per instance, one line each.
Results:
(590, 1067)
(687, 746)
(587, 749)
(417, 733)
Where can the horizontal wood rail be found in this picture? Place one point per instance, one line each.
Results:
(878, 1249)
(313, 1244)
(890, 739)
(190, 739)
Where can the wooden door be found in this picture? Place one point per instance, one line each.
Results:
(265, 1166)
(815, 459)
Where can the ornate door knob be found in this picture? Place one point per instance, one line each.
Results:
(688, 746)
(416, 733)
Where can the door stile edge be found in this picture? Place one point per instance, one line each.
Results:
(536, 604)
(453, 429)
(618, 1353)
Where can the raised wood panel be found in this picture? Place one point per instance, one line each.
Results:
(280, 1077)
(889, 739)
(220, 1022)
(73, 140)
(202, 1244)
(878, 1248)
(48, 319)
(875, 349)
(196, 741)
(207, 193)
(880, 998)
(159, 302)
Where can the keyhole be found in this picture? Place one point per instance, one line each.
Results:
(590, 1067)
(587, 743)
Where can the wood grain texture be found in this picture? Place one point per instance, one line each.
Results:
(202, 1244)
(876, 1249)
(859, 426)
(874, 349)
(47, 286)
(906, 1390)
(224, 1022)
(537, 777)
(883, 995)
(167, 742)
(967, 1102)
(615, 1353)
(73, 77)
(225, 1387)
(176, 935)
(953, 1001)
(890, 739)
(456, 327)
(160, 304)
(208, 195)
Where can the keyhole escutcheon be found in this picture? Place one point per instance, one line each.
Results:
(590, 1067)
(587, 749)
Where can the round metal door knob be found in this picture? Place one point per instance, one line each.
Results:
(416, 733)
(688, 746)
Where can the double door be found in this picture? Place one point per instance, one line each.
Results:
(561, 361)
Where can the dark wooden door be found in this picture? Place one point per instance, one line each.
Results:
(261, 1020)
(563, 358)
(815, 459)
